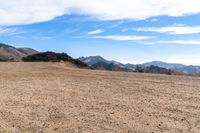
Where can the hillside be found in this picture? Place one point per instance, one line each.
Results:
(54, 57)
(10, 53)
(109, 66)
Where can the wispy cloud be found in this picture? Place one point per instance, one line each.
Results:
(117, 24)
(19, 12)
(177, 29)
(42, 37)
(8, 31)
(122, 38)
(98, 31)
(187, 42)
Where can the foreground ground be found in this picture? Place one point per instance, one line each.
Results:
(55, 97)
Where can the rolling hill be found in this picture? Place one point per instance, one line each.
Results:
(54, 57)
(10, 53)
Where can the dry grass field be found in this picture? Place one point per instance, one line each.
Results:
(60, 98)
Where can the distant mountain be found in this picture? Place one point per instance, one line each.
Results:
(175, 67)
(54, 57)
(97, 62)
(91, 60)
(163, 65)
(130, 66)
(193, 70)
(10, 53)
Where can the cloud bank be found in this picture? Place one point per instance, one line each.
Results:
(19, 12)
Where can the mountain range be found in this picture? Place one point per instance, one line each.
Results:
(97, 61)
(176, 67)
(10, 53)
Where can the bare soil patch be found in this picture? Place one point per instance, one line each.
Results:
(58, 97)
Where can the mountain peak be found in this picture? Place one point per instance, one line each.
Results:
(91, 60)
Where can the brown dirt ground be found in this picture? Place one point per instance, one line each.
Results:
(57, 97)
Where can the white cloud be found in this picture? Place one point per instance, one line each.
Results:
(123, 38)
(187, 42)
(176, 29)
(17, 12)
(98, 31)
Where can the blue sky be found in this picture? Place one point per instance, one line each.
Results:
(171, 36)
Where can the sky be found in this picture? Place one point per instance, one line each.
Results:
(129, 31)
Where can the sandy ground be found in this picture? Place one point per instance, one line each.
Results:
(54, 97)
